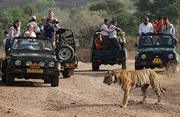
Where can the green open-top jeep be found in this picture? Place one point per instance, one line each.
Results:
(156, 50)
(30, 58)
(107, 51)
(66, 52)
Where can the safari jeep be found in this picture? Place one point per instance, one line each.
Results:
(30, 58)
(66, 52)
(107, 53)
(156, 51)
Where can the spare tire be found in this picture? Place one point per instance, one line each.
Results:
(65, 53)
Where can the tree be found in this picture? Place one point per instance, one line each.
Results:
(157, 8)
(128, 22)
(9, 15)
(111, 6)
(84, 24)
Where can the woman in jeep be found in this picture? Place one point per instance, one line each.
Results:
(14, 31)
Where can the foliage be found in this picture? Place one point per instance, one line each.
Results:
(111, 6)
(157, 8)
(128, 22)
(9, 15)
(84, 24)
(85, 20)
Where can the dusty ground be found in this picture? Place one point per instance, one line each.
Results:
(84, 95)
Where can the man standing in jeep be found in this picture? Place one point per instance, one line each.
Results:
(49, 31)
(168, 28)
(105, 30)
(145, 26)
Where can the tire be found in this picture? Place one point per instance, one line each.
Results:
(55, 81)
(64, 53)
(9, 79)
(66, 73)
(47, 80)
(72, 71)
(95, 67)
(124, 64)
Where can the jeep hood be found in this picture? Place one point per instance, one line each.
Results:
(33, 56)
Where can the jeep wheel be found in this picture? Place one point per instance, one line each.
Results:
(47, 80)
(95, 67)
(55, 81)
(66, 73)
(72, 71)
(9, 79)
(65, 53)
(124, 64)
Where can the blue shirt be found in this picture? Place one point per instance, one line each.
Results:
(48, 30)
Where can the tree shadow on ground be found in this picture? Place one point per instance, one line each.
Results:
(91, 73)
(25, 84)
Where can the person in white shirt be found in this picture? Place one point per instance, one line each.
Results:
(167, 27)
(33, 22)
(105, 30)
(113, 29)
(30, 31)
(145, 26)
(14, 31)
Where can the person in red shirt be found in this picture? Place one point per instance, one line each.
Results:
(157, 24)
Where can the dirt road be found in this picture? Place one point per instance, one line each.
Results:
(84, 95)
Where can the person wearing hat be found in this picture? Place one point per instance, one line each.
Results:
(33, 22)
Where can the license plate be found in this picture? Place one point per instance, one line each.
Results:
(34, 71)
(156, 61)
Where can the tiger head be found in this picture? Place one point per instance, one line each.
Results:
(108, 78)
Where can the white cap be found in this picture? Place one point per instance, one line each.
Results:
(34, 17)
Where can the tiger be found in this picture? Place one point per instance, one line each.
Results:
(132, 79)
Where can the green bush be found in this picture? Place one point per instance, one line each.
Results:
(128, 22)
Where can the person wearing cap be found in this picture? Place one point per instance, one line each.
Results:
(145, 26)
(33, 22)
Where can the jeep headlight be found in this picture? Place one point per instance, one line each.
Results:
(42, 64)
(28, 63)
(18, 62)
(170, 56)
(51, 64)
(143, 56)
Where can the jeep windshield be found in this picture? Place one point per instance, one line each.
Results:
(32, 45)
(156, 41)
